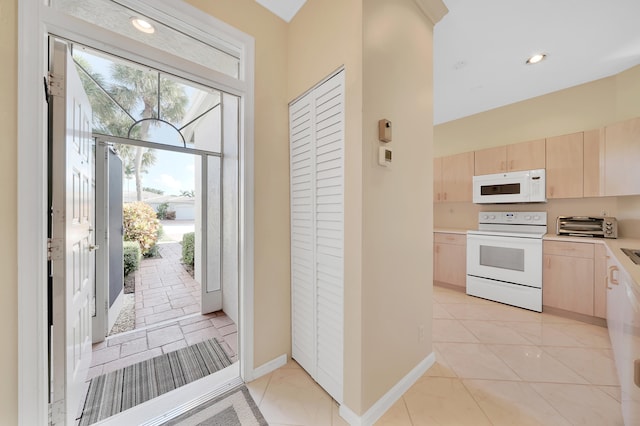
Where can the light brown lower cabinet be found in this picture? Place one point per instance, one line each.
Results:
(600, 275)
(573, 277)
(450, 258)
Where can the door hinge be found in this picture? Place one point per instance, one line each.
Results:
(55, 85)
(54, 249)
(56, 413)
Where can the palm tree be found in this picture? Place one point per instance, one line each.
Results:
(136, 92)
(138, 89)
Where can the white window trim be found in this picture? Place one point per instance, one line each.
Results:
(33, 27)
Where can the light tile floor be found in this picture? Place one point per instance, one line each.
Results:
(495, 365)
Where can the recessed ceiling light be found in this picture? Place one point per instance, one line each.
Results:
(142, 25)
(536, 58)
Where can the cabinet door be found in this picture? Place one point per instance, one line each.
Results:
(457, 176)
(622, 151)
(526, 155)
(567, 278)
(565, 166)
(437, 180)
(600, 281)
(450, 259)
(491, 160)
(593, 177)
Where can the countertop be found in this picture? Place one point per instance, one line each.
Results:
(450, 230)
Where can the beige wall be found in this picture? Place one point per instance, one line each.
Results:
(588, 106)
(397, 215)
(272, 312)
(324, 35)
(387, 230)
(8, 215)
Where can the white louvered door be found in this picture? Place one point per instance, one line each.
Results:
(317, 229)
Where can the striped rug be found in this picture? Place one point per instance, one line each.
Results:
(122, 389)
(234, 408)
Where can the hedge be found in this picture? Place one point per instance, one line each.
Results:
(188, 247)
(132, 255)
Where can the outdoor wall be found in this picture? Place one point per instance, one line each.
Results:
(272, 310)
(8, 215)
(324, 35)
(584, 107)
(397, 219)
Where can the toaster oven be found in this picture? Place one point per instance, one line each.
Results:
(587, 226)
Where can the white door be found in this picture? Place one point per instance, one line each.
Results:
(317, 232)
(73, 258)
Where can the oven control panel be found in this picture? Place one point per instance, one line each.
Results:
(515, 218)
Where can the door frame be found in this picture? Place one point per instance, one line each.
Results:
(35, 22)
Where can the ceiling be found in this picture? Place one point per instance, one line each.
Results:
(480, 48)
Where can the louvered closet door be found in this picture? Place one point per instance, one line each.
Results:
(317, 229)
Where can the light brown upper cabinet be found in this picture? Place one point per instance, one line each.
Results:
(510, 158)
(593, 181)
(453, 177)
(565, 163)
(437, 179)
(622, 154)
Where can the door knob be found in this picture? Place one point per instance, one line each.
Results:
(93, 247)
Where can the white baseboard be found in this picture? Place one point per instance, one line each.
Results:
(378, 409)
(270, 366)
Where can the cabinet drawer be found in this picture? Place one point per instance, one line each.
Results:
(442, 237)
(561, 248)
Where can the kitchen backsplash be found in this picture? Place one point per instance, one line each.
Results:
(625, 209)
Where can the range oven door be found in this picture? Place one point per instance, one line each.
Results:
(510, 259)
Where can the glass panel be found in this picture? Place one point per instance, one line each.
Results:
(510, 188)
(214, 225)
(502, 257)
(135, 102)
(117, 18)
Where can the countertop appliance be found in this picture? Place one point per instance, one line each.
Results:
(528, 186)
(587, 226)
(504, 258)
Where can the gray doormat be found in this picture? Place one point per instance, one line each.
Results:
(233, 408)
(122, 389)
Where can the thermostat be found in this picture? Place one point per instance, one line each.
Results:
(385, 155)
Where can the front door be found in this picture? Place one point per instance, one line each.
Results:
(73, 259)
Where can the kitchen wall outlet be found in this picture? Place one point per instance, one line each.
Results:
(421, 333)
(603, 213)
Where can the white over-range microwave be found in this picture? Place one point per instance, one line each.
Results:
(528, 186)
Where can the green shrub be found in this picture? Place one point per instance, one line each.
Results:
(132, 255)
(162, 210)
(188, 248)
(141, 225)
(153, 250)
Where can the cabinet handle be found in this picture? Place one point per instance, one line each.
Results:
(613, 269)
(438, 196)
(551, 191)
(548, 262)
(502, 165)
(445, 196)
(511, 165)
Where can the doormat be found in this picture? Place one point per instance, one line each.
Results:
(234, 408)
(127, 387)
